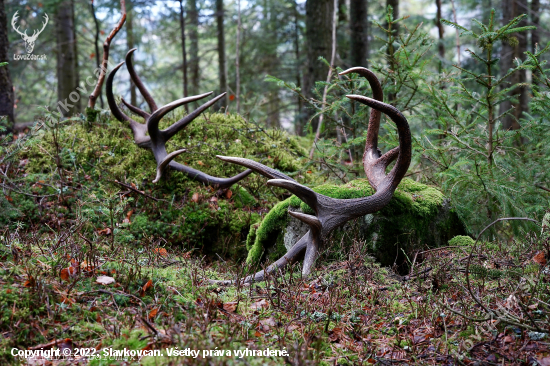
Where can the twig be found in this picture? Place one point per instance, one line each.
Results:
(97, 90)
(541, 187)
(135, 190)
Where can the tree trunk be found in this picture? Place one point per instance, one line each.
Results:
(6, 87)
(183, 53)
(221, 51)
(193, 31)
(440, 30)
(511, 9)
(395, 5)
(535, 20)
(358, 31)
(131, 44)
(299, 123)
(319, 42)
(67, 71)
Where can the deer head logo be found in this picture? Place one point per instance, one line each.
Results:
(29, 40)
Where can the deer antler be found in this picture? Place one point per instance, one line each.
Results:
(156, 140)
(331, 212)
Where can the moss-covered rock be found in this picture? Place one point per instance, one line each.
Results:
(92, 156)
(418, 216)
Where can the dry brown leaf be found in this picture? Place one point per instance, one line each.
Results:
(195, 197)
(145, 287)
(31, 282)
(259, 305)
(153, 313)
(200, 163)
(106, 231)
(228, 194)
(230, 307)
(67, 273)
(105, 280)
(160, 251)
(540, 258)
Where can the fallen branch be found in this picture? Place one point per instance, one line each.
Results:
(97, 90)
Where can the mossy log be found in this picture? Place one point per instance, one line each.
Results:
(417, 217)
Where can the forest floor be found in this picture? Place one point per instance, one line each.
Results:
(482, 305)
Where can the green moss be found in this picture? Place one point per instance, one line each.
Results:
(408, 221)
(91, 114)
(95, 155)
(461, 241)
(269, 229)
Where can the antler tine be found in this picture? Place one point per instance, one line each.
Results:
(165, 162)
(304, 193)
(257, 167)
(135, 78)
(139, 129)
(403, 152)
(136, 110)
(182, 123)
(290, 257)
(160, 137)
(371, 156)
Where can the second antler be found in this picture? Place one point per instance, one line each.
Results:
(331, 212)
(148, 135)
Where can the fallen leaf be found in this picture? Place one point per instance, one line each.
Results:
(31, 282)
(259, 304)
(544, 361)
(540, 258)
(106, 231)
(153, 313)
(200, 163)
(145, 287)
(67, 273)
(105, 280)
(66, 300)
(195, 197)
(230, 307)
(160, 251)
(258, 334)
(228, 194)
(267, 324)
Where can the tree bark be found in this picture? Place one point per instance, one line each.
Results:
(6, 87)
(221, 50)
(318, 40)
(67, 71)
(395, 5)
(535, 20)
(440, 31)
(510, 10)
(131, 45)
(358, 25)
(183, 53)
(193, 31)
(299, 122)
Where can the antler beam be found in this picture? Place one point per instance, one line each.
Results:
(148, 135)
(331, 212)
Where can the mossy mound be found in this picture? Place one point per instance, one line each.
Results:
(82, 161)
(417, 217)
